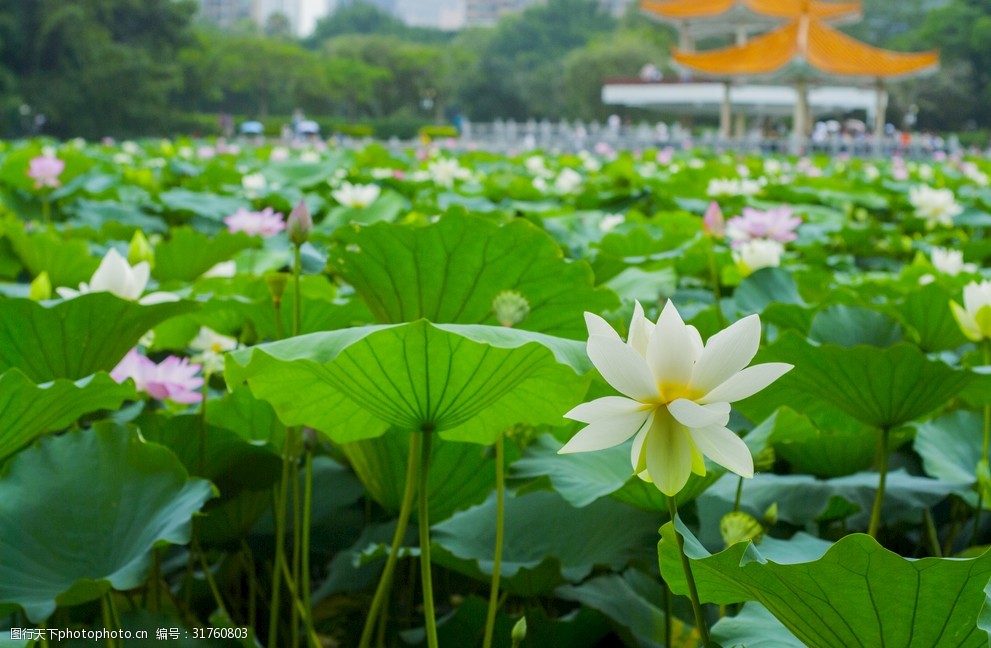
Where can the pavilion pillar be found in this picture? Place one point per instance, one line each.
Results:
(725, 113)
(799, 121)
(880, 110)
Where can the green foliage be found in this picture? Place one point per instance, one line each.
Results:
(137, 496)
(852, 593)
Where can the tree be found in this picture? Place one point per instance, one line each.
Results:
(96, 67)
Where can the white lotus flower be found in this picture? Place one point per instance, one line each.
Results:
(356, 195)
(759, 253)
(568, 181)
(210, 347)
(114, 275)
(974, 318)
(935, 206)
(444, 171)
(950, 262)
(733, 187)
(676, 395)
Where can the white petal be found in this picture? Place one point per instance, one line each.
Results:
(605, 433)
(725, 448)
(606, 407)
(696, 340)
(640, 330)
(158, 298)
(669, 455)
(693, 415)
(726, 353)
(68, 293)
(638, 459)
(670, 352)
(598, 326)
(747, 382)
(622, 367)
(112, 275)
(139, 279)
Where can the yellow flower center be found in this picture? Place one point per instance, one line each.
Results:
(673, 391)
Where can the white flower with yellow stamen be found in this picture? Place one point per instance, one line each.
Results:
(676, 395)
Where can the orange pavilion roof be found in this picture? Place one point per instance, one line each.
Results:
(700, 9)
(806, 42)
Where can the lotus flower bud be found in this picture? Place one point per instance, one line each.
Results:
(299, 224)
(140, 250)
(41, 287)
(277, 282)
(737, 526)
(510, 307)
(519, 631)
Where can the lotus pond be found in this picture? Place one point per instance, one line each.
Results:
(311, 396)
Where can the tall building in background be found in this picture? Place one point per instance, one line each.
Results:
(486, 13)
(225, 13)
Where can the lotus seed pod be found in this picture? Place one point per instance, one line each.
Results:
(510, 308)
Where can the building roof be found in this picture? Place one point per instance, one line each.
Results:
(806, 47)
(680, 10)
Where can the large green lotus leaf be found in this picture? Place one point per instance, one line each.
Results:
(452, 270)
(67, 261)
(80, 513)
(547, 542)
(753, 627)
(816, 449)
(631, 600)
(849, 326)
(883, 387)
(461, 474)
(620, 250)
(927, 311)
(803, 499)
(114, 218)
(251, 418)
(209, 206)
(298, 173)
(583, 477)
(579, 478)
(950, 446)
(76, 337)
(188, 253)
(853, 593)
(28, 410)
(773, 293)
(387, 207)
(467, 382)
(230, 462)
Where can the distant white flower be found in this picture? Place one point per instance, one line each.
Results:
(676, 395)
(772, 167)
(309, 156)
(210, 347)
(935, 206)
(950, 262)
(129, 147)
(540, 185)
(444, 171)
(926, 172)
(116, 276)
(536, 166)
(254, 182)
(759, 253)
(567, 181)
(278, 154)
(224, 269)
(733, 187)
(610, 221)
(871, 173)
(356, 196)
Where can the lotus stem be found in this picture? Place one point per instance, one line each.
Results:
(882, 461)
(424, 526)
(739, 494)
(46, 210)
(307, 514)
(385, 582)
(714, 280)
(208, 575)
(281, 500)
(686, 566)
(500, 534)
(668, 629)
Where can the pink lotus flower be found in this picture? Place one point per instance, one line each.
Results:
(665, 155)
(45, 170)
(173, 379)
(265, 223)
(713, 223)
(774, 224)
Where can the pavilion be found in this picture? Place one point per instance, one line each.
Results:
(801, 48)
